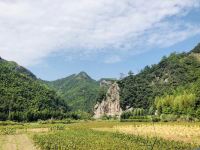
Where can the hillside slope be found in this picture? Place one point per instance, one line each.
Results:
(23, 97)
(79, 91)
(176, 71)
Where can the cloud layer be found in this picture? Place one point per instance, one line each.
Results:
(32, 30)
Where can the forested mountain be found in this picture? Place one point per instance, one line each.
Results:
(174, 83)
(24, 98)
(17, 68)
(79, 91)
(171, 87)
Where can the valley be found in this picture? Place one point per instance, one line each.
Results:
(100, 75)
(158, 108)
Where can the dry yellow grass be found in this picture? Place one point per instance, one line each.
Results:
(187, 134)
(38, 130)
(18, 142)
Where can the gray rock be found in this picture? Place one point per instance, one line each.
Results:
(110, 106)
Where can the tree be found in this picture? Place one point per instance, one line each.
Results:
(122, 76)
(130, 73)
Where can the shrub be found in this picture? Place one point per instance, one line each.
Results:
(134, 112)
(5, 123)
(79, 115)
(168, 117)
(106, 117)
(7, 131)
(198, 113)
(57, 127)
(155, 118)
(126, 115)
(137, 119)
(186, 118)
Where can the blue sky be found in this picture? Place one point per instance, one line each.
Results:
(58, 67)
(103, 38)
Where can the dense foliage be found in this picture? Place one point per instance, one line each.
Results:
(24, 98)
(101, 95)
(183, 101)
(132, 113)
(177, 70)
(196, 49)
(79, 91)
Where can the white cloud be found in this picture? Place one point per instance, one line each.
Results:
(169, 34)
(32, 30)
(112, 59)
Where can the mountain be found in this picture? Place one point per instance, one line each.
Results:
(17, 68)
(78, 90)
(23, 97)
(173, 76)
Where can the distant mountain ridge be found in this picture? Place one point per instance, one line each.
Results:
(23, 97)
(34, 99)
(15, 67)
(78, 90)
(178, 71)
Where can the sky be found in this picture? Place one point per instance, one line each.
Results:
(104, 38)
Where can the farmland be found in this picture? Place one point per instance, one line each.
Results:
(84, 135)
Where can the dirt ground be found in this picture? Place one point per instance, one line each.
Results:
(17, 142)
(20, 141)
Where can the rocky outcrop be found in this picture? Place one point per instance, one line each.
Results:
(110, 106)
(105, 83)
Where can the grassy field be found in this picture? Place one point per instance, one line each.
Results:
(100, 135)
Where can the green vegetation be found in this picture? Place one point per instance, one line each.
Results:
(79, 91)
(169, 89)
(134, 112)
(84, 136)
(7, 131)
(183, 102)
(101, 95)
(24, 98)
(196, 49)
(135, 115)
(171, 86)
(57, 127)
(103, 135)
(88, 139)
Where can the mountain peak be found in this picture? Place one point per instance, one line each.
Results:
(83, 75)
(78, 90)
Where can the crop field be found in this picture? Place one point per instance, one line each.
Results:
(182, 133)
(100, 135)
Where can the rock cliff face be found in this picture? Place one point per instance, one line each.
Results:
(110, 106)
(105, 83)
